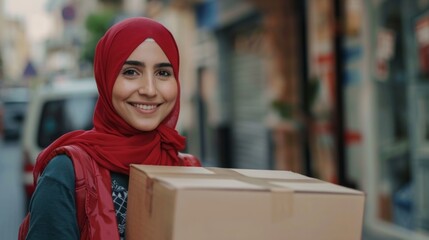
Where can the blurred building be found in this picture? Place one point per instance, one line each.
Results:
(64, 46)
(14, 49)
(15, 53)
(26, 63)
(398, 91)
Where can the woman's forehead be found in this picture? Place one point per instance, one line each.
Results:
(149, 51)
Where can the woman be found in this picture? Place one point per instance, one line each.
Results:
(82, 178)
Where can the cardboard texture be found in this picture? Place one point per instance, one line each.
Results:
(196, 203)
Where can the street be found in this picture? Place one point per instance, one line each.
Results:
(11, 190)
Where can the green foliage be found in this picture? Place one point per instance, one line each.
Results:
(96, 25)
(282, 108)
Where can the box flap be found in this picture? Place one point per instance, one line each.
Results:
(152, 170)
(207, 183)
(271, 174)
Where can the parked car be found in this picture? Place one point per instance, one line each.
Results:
(14, 101)
(55, 109)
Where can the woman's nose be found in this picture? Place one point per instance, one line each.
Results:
(147, 86)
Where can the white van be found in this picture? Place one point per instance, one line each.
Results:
(54, 109)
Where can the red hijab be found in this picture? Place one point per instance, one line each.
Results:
(112, 142)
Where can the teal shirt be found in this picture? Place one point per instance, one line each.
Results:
(52, 206)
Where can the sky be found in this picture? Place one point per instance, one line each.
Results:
(33, 13)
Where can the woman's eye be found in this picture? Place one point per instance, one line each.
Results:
(129, 72)
(163, 73)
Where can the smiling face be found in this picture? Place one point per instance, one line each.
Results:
(145, 90)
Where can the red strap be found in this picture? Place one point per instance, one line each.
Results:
(94, 205)
(23, 229)
(84, 184)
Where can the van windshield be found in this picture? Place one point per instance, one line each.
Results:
(65, 115)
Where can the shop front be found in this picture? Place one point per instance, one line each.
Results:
(398, 183)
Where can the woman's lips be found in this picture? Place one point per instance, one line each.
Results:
(145, 107)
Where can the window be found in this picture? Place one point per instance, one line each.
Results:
(65, 115)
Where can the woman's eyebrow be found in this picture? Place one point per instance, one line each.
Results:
(166, 64)
(141, 64)
(134, 63)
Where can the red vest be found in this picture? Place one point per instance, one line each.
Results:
(94, 206)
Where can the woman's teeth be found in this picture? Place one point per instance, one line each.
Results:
(144, 106)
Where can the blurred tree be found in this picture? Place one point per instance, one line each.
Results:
(96, 25)
(112, 2)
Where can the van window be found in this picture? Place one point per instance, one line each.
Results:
(65, 115)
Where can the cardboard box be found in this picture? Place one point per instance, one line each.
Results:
(195, 203)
